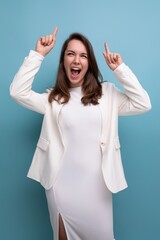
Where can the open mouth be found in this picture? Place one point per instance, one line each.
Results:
(75, 71)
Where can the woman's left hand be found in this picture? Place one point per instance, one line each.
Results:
(113, 60)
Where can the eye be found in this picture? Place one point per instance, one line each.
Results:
(84, 56)
(70, 54)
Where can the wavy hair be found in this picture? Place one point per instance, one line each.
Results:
(91, 86)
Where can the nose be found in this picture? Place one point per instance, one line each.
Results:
(76, 59)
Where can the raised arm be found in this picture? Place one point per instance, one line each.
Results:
(135, 99)
(21, 87)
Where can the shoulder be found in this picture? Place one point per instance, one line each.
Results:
(110, 89)
(107, 85)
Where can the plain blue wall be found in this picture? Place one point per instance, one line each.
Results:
(131, 28)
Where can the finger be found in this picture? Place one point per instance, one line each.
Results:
(46, 40)
(50, 39)
(115, 57)
(107, 48)
(111, 55)
(55, 32)
(118, 56)
(107, 58)
(108, 53)
(43, 40)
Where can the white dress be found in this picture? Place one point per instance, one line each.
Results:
(79, 194)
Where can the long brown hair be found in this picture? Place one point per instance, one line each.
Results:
(91, 87)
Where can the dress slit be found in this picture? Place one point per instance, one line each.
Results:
(61, 229)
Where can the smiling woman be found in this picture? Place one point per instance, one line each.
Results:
(77, 159)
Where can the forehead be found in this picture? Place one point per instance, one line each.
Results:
(77, 46)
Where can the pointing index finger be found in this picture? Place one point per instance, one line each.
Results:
(106, 48)
(55, 32)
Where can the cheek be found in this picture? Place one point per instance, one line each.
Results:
(65, 66)
(86, 63)
(67, 63)
(86, 66)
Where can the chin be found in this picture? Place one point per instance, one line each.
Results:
(75, 84)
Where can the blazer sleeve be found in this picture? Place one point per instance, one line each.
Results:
(21, 86)
(135, 99)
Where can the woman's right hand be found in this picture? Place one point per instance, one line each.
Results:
(45, 44)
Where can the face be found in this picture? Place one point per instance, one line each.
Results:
(76, 62)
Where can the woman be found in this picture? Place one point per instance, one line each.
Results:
(77, 158)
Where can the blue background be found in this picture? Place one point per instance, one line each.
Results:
(129, 27)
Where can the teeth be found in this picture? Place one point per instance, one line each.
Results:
(77, 69)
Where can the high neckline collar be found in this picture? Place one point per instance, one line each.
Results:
(76, 89)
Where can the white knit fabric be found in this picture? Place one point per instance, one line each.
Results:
(79, 194)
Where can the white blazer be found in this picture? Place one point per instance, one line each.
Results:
(47, 158)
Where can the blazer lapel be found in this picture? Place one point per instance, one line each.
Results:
(103, 105)
(56, 112)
